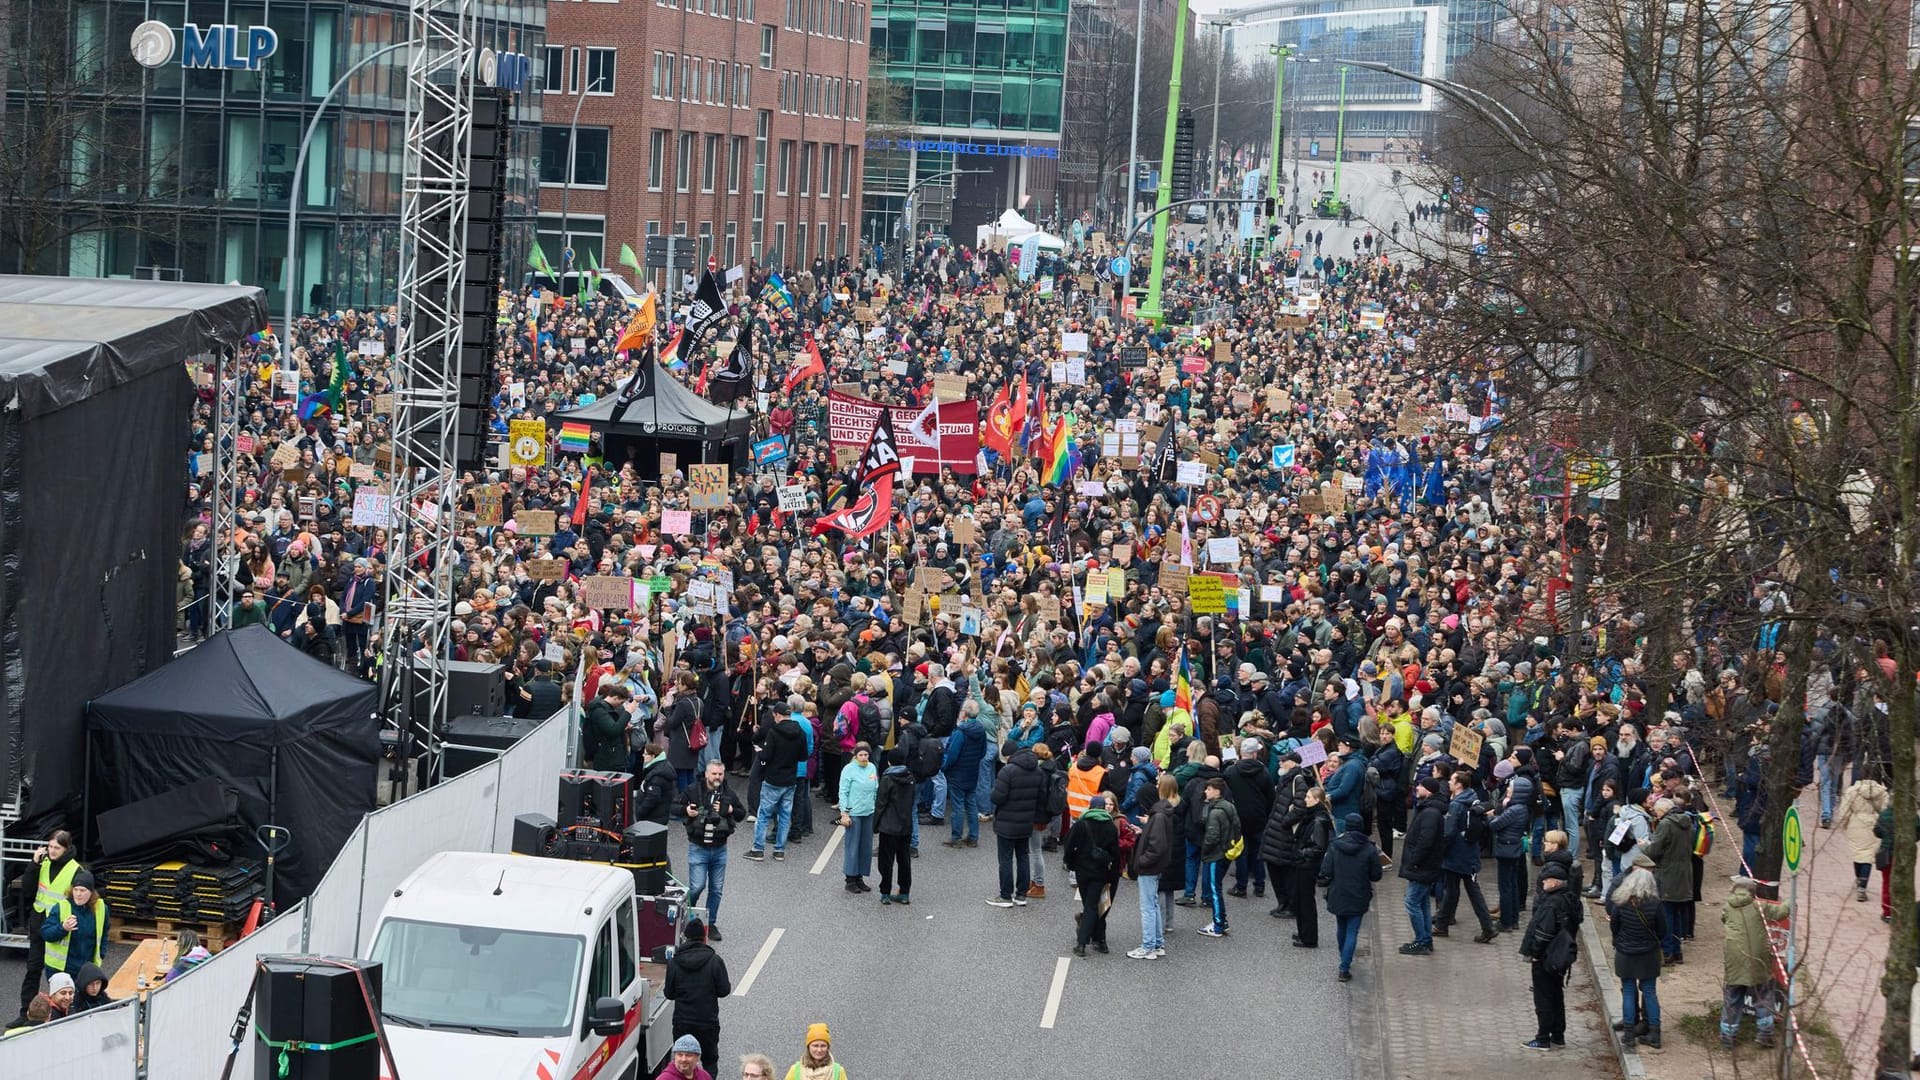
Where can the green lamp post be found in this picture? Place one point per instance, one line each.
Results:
(1150, 310)
(1281, 54)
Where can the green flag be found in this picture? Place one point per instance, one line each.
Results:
(631, 261)
(342, 371)
(538, 260)
(590, 281)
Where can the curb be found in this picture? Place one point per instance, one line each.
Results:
(1606, 989)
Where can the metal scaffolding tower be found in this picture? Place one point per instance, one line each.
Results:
(229, 401)
(433, 225)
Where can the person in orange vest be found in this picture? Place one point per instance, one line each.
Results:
(1084, 778)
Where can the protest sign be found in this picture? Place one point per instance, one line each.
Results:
(793, 498)
(547, 569)
(1208, 594)
(669, 464)
(605, 591)
(1223, 549)
(1465, 746)
(950, 388)
(488, 505)
(372, 508)
(707, 486)
(676, 522)
(1174, 578)
(534, 522)
(527, 442)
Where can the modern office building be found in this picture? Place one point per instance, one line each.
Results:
(1386, 116)
(735, 123)
(179, 165)
(975, 87)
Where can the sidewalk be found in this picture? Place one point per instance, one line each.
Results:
(1463, 1012)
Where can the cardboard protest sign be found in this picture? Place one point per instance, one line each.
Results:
(964, 531)
(361, 472)
(606, 591)
(1208, 594)
(1174, 578)
(950, 388)
(669, 464)
(547, 569)
(1049, 607)
(707, 486)
(1465, 746)
(534, 522)
(488, 505)
(285, 456)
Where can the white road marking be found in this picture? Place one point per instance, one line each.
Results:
(759, 961)
(826, 853)
(1053, 995)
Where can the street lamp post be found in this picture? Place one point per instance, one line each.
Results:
(566, 190)
(1133, 145)
(1220, 28)
(1150, 310)
(1340, 134)
(1281, 54)
(296, 194)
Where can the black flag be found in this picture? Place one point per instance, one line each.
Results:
(733, 379)
(708, 306)
(1166, 460)
(641, 384)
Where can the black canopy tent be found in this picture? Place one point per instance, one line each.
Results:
(297, 737)
(664, 417)
(94, 403)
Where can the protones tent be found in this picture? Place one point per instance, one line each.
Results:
(296, 736)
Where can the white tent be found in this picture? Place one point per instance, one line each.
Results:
(1009, 225)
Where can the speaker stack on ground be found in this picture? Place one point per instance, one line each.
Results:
(471, 741)
(480, 288)
(315, 1018)
(596, 825)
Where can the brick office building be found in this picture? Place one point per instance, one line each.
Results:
(737, 123)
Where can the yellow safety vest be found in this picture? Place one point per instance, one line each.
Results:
(53, 891)
(57, 950)
(1082, 786)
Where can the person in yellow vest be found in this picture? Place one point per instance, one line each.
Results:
(54, 866)
(816, 1062)
(75, 929)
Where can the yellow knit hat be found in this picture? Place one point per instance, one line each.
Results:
(819, 1033)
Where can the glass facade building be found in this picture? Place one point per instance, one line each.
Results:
(187, 174)
(968, 73)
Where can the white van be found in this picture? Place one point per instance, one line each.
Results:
(514, 966)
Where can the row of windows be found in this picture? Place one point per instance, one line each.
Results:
(823, 157)
(714, 82)
(565, 70)
(720, 9)
(827, 18)
(808, 154)
(820, 95)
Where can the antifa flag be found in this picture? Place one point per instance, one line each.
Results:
(1166, 459)
(708, 306)
(1059, 540)
(640, 385)
(733, 379)
(873, 509)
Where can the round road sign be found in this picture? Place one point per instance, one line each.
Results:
(1121, 267)
(1792, 843)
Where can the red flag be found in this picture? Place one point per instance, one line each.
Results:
(580, 508)
(871, 512)
(700, 384)
(997, 432)
(810, 364)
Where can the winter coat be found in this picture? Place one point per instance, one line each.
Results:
(1312, 835)
(893, 806)
(717, 812)
(1250, 787)
(1193, 802)
(1219, 821)
(604, 728)
(1389, 765)
(1637, 927)
(1425, 843)
(1463, 853)
(1859, 808)
(82, 1001)
(1552, 911)
(655, 800)
(964, 752)
(786, 747)
(1159, 847)
(1345, 785)
(1350, 866)
(677, 726)
(1746, 958)
(696, 981)
(1509, 828)
(1093, 847)
(1671, 849)
(1019, 796)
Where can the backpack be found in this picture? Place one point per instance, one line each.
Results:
(1056, 794)
(845, 724)
(1476, 823)
(1628, 841)
(1369, 792)
(870, 723)
(927, 755)
(1561, 951)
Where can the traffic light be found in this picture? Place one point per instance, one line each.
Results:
(1183, 156)
(1269, 213)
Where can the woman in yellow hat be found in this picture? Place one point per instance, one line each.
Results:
(816, 1061)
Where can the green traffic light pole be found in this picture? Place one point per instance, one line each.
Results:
(1281, 54)
(1340, 134)
(1150, 311)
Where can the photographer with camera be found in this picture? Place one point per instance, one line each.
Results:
(712, 811)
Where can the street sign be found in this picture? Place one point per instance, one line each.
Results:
(1792, 843)
(1121, 267)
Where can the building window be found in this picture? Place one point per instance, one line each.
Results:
(553, 69)
(766, 48)
(683, 164)
(710, 164)
(689, 79)
(785, 167)
(653, 228)
(656, 158)
(745, 8)
(693, 78)
(793, 15)
(716, 83)
(659, 69)
(664, 66)
(825, 252)
(846, 175)
(777, 256)
(733, 244)
(706, 243)
(826, 170)
(589, 159)
(573, 70)
(841, 250)
(806, 168)
(736, 155)
(800, 241)
(600, 68)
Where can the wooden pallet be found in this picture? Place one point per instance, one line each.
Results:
(215, 936)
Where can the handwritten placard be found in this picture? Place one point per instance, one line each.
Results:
(488, 505)
(547, 569)
(677, 522)
(669, 464)
(534, 522)
(372, 507)
(950, 387)
(1465, 745)
(793, 498)
(707, 486)
(1175, 578)
(607, 591)
(1208, 594)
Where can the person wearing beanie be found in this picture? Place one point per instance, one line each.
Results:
(1350, 867)
(1141, 791)
(75, 929)
(816, 1059)
(684, 1062)
(1550, 945)
(696, 982)
(1420, 858)
(61, 992)
(1508, 829)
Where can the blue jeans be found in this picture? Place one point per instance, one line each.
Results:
(1571, 803)
(1676, 915)
(1420, 910)
(775, 802)
(1831, 772)
(1151, 935)
(1212, 872)
(1346, 930)
(1249, 860)
(1193, 879)
(706, 869)
(1642, 989)
(984, 785)
(963, 804)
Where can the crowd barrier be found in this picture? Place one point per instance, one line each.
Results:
(185, 1029)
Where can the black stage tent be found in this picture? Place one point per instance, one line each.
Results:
(665, 417)
(94, 419)
(297, 737)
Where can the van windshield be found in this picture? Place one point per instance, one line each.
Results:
(452, 977)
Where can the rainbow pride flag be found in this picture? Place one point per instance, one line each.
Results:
(575, 437)
(1064, 455)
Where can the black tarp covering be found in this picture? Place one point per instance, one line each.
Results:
(94, 417)
(665, 417)
(248, 708)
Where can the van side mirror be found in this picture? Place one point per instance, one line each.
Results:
(607, 1017)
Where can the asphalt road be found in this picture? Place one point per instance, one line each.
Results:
(951, 986)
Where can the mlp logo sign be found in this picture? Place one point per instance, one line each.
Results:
(221, 46)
